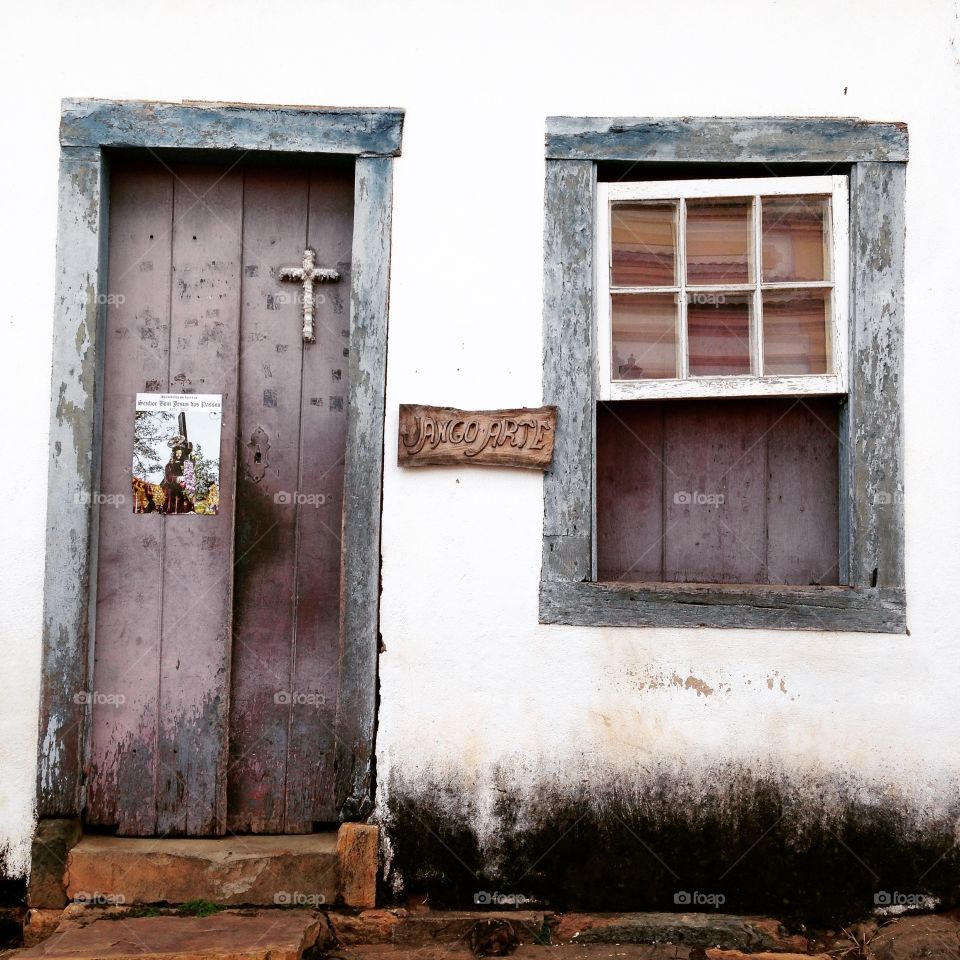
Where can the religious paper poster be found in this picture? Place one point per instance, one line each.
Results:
(176, 453)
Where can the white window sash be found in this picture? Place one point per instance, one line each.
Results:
(733, 385)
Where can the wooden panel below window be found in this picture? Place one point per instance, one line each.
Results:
(718, 491)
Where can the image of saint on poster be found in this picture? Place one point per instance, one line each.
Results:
(176, 453)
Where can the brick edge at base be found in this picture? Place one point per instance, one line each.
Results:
(358, 861)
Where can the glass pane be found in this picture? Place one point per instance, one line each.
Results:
(719, 241)
(644, 336)
(718, 333)
(795, 238)
(644, 245)
(796, 327)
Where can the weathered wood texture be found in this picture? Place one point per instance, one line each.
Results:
(725, 139)
(731, 491)
(221, 126)
(630, 491)
(162, 649)
(180, 314)
(75, 425)
(363, 486)
(71, 483)
(870, 436)
(874, 470)
(692, 605)
(444, 436)
(198, 554)
(324, 411)
(289, 505)
(123, 727)
(568, 367)
(707, 455)
(268, 454)
(803, 493)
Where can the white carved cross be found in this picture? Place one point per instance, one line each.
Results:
(308, 275)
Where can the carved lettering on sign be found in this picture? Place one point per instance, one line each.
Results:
(432, 436)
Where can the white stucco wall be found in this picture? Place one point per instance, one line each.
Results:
(469, 678)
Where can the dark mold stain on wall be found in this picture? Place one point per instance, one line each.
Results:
(13, 897)
(817, 852)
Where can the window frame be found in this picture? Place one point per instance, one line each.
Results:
(745, 385)
(874, 154)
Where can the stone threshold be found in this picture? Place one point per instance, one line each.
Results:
(335, 867)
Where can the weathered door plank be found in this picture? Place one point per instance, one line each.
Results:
(198, 551)
(268, 451)
(127, 639)
(323, 417)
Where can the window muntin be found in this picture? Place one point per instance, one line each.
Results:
(722, 287)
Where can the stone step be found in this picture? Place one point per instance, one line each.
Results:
(333, 867)
(227, 935)
(241, 870)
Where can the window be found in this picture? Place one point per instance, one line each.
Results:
(728, 300)
(726, 296)
(709, 288)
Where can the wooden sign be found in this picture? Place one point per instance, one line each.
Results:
(431, 436)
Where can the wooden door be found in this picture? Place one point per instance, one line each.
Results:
(217, 636)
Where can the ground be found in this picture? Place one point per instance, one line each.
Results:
(118, 933)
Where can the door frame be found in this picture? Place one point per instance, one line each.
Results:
(89, 131)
